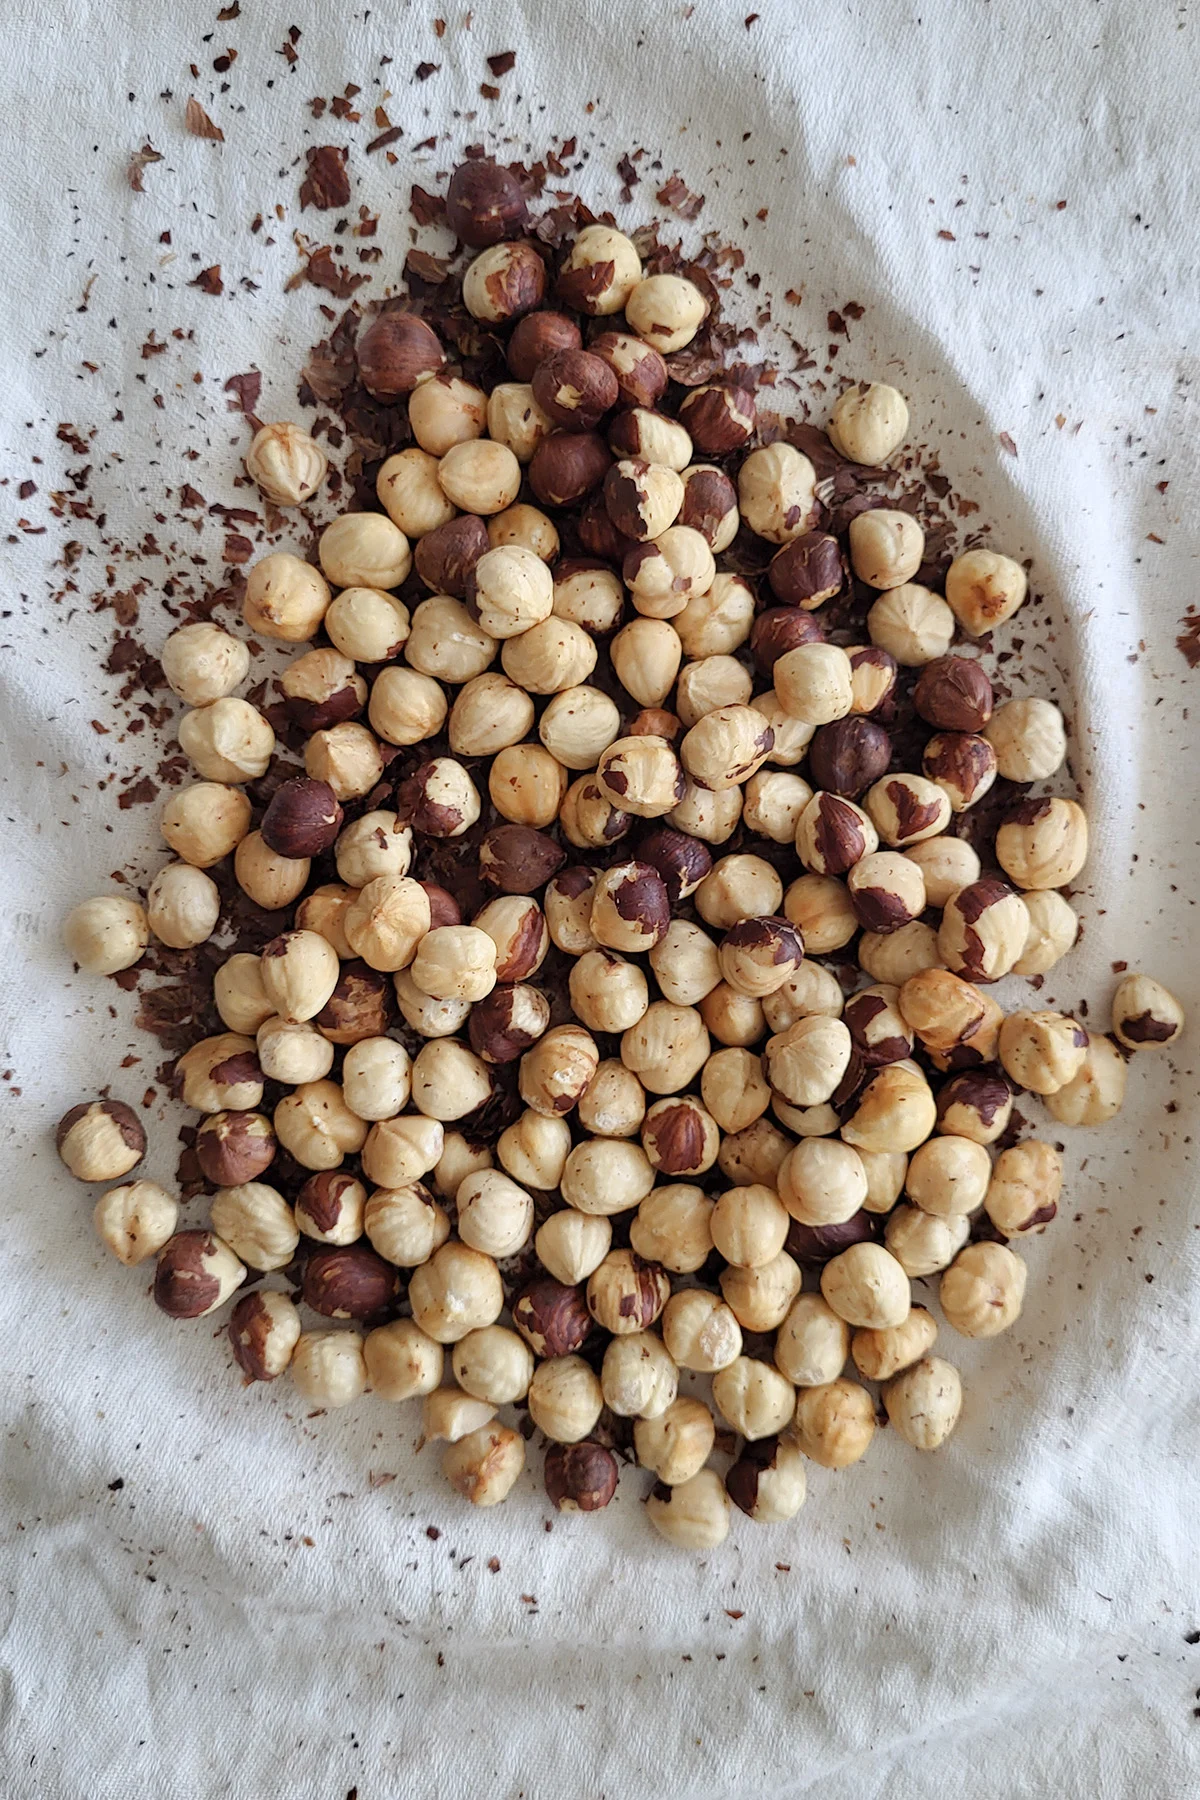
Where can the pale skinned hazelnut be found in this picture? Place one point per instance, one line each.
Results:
(458, 1290)
(975, 1104)
(885, 1171)
(1025, 1188)
(923, 1404)
(676, 1443)
(806, 1062)
(286, 598)
(550, 657)
(299, 972)
(578, 726)
(777, 493)
(564, 1399)
(554, 1074)
(895, 1111)
(726, 746)
(756, 1400)
(205, 822)
(107, 934)
(946, 864)
(667, 1048)
(449, 1081)
(638, 1378)
(220, 1074)
(329, 1208)
(571, 1245)
(376, 1078)
(461, 1156)
(317, 1127)
(484, 1466)
(481, 477)
(367, 624)
(982, 1290)
(773, 804)
(257, 1223)
(734, 1019)
(569, 911)
(813, 683)
(372, 847)
(455, 962)
(819, 906)
(516, 421)
(494, 1214)
(983, 589)
(410, 493)
(707, 814)
(347, 758)
(834, 1423)
(272, 881)
(754, 1154)
(646, 655)
(292, 1051)
(490, 713)
(911, 623)
(264, 1329)
(239, 996)
(673, 1227)
(510, 590)
(445, 643)
(1053, 929)
(822, 1182)
(445, 411)
(607, 992)
(734, 1088)
(886, 547)
(448, 1415)
(868, 422)
(503, 282)
(588, 594)
(1029, 738)
(1145, 1014)
(387, 920)
(1042, 1051)
(662, 575)
(227, 740)
(1043, 843)
(792, 736)
(405, 1223)
(195, 1274)
(810, 990)
(813, 1343)
(738, 887)
(897, 955)
(700, 1331)
(686, 963)
(588, 818)
(135, 1221)
(525, 525)
(364, 550)
(949, 1175)
(749, 1225)
(203, 663)
(605, 1176)
(1096, 1091)
(328, 1367)
(715, 684)
(805, 1121)
(517, 927)
(493, 1364)
(402, 1362)
(666, 310)
(878, 1355)
(718, 621)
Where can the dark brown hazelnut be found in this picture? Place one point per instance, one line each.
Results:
(580, 1477)
(394, 352)
(359, 1007)
(349, 1282)
(710, 506)
(954, 694)
(505, 1022)
(566, 466)
(640, 371)
(484, 204)
(575, 389)
(264, 1328)
(446, 556)
(504, 281)
(813, 1245)
(233, 1147)
(303, 818)
(962, 764)
(519, 860)
(536, 338)
(443, 907)
(847, 756)
(195, 1273)
(833, 834)
(808, 571)
(719, 419)
(599, 536)
(780, 629)
(873, 674)
(552, 1318)
(877, 1027)
(682, 861)
(330, 1204)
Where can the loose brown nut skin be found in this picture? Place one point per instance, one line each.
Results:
(518, 860)
(196, 1272)
(580, 1477)
(349, 1283)
(263, 1331)
(955, 694)
(1145, 1014)
(808, 571)
(234, 1147)
(100, 1140)
(394, 352)
(446, 556)
(552, 1318)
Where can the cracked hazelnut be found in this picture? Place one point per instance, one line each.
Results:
(329, 1208)
(107, 934)
(317, 1127)
(402, 1363)
(912, 624)
(777, 493)
(1029, 738)
(983, 931)
(975, 1104)
(402, 1219)
(813, 1342)
(257, 1223)
(219, 1074)
(285, 598)
(626, 1294)
(445, 558)
(195, 1274)
(822, 1182)
(205, 822)
(264, 1329)
(234, 1147)
(135, 1221)
(1145, 1014)
(676, 1443)
(554, 1074)
(895, 1111)
(982, 1290)
(868, 422)
(963, 766)
(1025, 1188)
(720, 418)
(768, 1482)
(983, 589)
(571, 1245)
(292, 1051)
(834, 1423)
(601, 271)
(376, 1078)
(458, 1290)
(1042, 1051)
(409, 491)
(203, 663)
(484, 203)
(504, 281)
(1096, 1091)
(328, 1367)
(1043, 843)
(701, 1331)
(396, 351)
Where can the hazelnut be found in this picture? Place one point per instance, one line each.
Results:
(1145, 1014)
(445, 557)
(983, 931)
(1053, 929)
(588, 594)
(737, 888)
(754, 1398)
(550, 657)
(257, 1223)
(607, 993)
(681, 861)
(484, 1465)
(445, 411)
(912, 624)
(364, 550)
(822, 1182)
(493, 1364)
(886, 891)
(322, 689)
(680, 1137)
(1096, 1091)
(376, 1078)
(264, 1329)
(964, 767)
(517, 860)
(923, 1404)
(329, 1208)
(630, 907)
(556, 1071)
(954, 694)
(982, 1290)
(203, 663)
(819, 905)
(700, 1331)
(897, 955)
(461, 1156)
(726, 746)
(494, 1214)
(673, 1227)
(526, 785)
(195, 1274)
(219, 1073)
(614, 1102)
(807, 1121)
(710, 505)
(759, 955)
(703, 813)
(367, 625)
(458, 1290)
(567, 466)
(571, 1245)
(626, 1294)
(834, 1423)
(538, 336)
(666, 310)
(509, 590)
(328, 1367)
(270, 880)
(642, 776)
(895, 1111)
(292, 1052)
(663, 575)
(779, 630)
(552, 1317)
(878, 1355)
(564, 1399)
(638, 1378)
(984, 589)
(524, 525)
(491, 713)
(300, 971)
(947, 864)
(907, 808)
(396, 351)
(1043, 843)
(813, 1343)
(517, 927)
(575, 389)
(749, 1226)
(239, 996)
(642, 498)
(606, 1176)
(640, 371)
(601, 271)
(588, 818)
(481, 476)
(135, 1221)
(886, 1170)
(1042, 1051)
(873, 675)
(205, 822)
(813, 683)
(773, 804)
(1029, 738)
(646, 655)
(107, 934)
(449, 1081)
(403, 1220)
(719, 621)
(455, 962)
(569, 911)
(886, 547)
(578, 726)
(975, 1104)
(408, 489)
(234, 1147)
(777, 493)
(504, 281)
(806, 572)
(448, 1415)
(285, 598)
(733, 1018)
(447, 643)
(868, 422)
(734, 1088)
(347, 758)
(1025, 1188)
(833, 835)
(811, 989)
(227, 740)
(949, 1175)
(943, 1009)
(504, 1024)
(676, 1443)
(720, 418)
(317, 1127)
(667, 1048)
(302, 819)
(387, 921)
(768, 1482)
(375, 845)
(402, 1363)
(484, 203)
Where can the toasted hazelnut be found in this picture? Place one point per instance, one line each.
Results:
(195, 1274)
(736, 888)
(494, 1214)
(646, 655)
(885, 1171)
(806, 572)
(718, 621)
(205, 822)
(726, 746)
(849, 755)
(1043, 843)
(317, 1127)
(947, 864)
(1042, 1051)
(135, 1221)
(754, 1398)
(575, 389)
(954, 694)
(517, 927)
(587, 594)
(614, 1102)
(638, 1378)
(524, 525)
(264, 1329)
(662, 575)
(300, 970)
(458, 1290)
(552, 1317)
(536, 337)
(322, 689)
(983, 931)
(642, 498)
(227, 740)
(203, 663)
(569, 910)
(445, 557)
(759, 955)
(329, 1368)
(329, 1208)
(626, 1294)
(878, 1355)
(873, 674)
(810, 990)
(347, 758)
(867, 1287)
(271, 881)
(734, 1088)
(719, 417)
(982, 1290)
(963, 766)
(588, 818)
(234, 1147)
(895, 956)
(1096, 1091)
(913, 624)
(601, 271)
(1053, 929)
(907, 808)
(110, 933)
(813, 683)
(409, 491)
(571, 1245)
(239, 996)
(387, 921)
(749, 1225)
(822, 1182)
(705, 813)
(667, 1048)
(402, 1362)
(484, 1465)
(367, 625)
(943, 1009)
(257, 1223)
(984, 589)
(774, 802)
(376, 1078)
(777, 493)
(517, 860)
(446, 411)
(455, 962)
(482, 476)
(1025, 1188)
(402, 1219)
(833, 835)
(868, 422)
(364, 550)
(564, 1399)
(219, 1074)
(630, 908)
(680, 1137)
(302, 819)
(504, 1024)
(1145, 1014)
(813, 1343)
(819, 905)
(676, 1443)
(700, 1331)
(768, 1482)
(886, 891)
(567, 466)
(446, 643)
(834, 1423)
(292, 1051)
(395, 352)
(556, 1071)
(975, 1104)
(1029, 738)
(484, 203)
(285, 598)
(504, 281)
(895, 1111)
(710, 506)
(949, 1175)
(779, 630)
(607, 993)
(641, 775)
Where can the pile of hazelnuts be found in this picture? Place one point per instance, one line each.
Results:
(615, 1146)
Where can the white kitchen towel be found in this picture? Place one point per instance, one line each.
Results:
(203, 1591)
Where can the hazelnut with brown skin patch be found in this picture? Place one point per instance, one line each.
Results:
(504, 281)
(580, 1477)
(680, 1137)
(1145, 1014)
(642, 775)
(554, 1074)
(1025, 1188)
(196, 1273)
(833, 835)
(779, 630)
(329, 1207)
(962, 765)
(873, 676)
(567, 466)
(626, 1294)
(395, 352)
(767, 1482)
(504, 1024)
(907, 808)
(886, 891)
(1042, 1051)
(954, 694)
(1043, 843)
(983, 931)
(630, 908)
(719, 417)
(234, 1147)
(446, 556)
(517, 927)
(518, 860)
(807, 571)
(536, 338)
(323, 688)
(264, 1328)
(101, 1140)
(758, 956)
(484, 203)
(976, 1103)
(552, 1317)
(642, 498)
(709, 505)
(813, 1245)
(880, 1032)
(575, 389)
